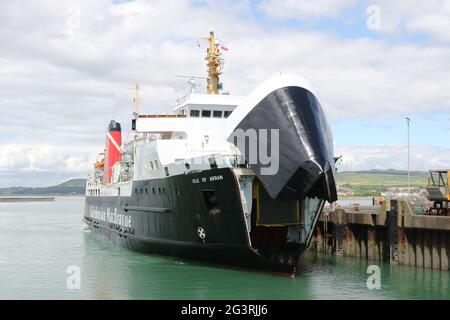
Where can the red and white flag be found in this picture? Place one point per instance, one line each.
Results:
(223, 48)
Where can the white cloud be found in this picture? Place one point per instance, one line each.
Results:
(429, 18)
(38, 165)
(304, 10)
(63, 77)
(42, 157)
(392, 157)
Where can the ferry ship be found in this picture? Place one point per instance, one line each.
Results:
(230, 180)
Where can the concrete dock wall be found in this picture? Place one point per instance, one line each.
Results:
(391, 233)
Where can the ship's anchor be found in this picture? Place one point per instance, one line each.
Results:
(201, 233)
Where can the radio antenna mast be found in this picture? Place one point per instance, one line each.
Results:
(215, 64)
(137, 100)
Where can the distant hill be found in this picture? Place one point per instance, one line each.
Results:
(73, 183)
(373, 182)
(393, 172)
(70, 187)
(382, 177)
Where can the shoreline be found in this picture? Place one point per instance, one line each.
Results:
(26, 198)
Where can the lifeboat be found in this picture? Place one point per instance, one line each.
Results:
(99, 164)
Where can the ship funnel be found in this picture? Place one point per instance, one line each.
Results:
(281, 132)
(112, 151)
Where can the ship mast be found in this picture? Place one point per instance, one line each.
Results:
(215, 64)
(137, 100)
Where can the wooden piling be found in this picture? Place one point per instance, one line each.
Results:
(403, 246)
(363, 235)
(371, 244)
(352, 245)
(445, 245)
(435, 251)
(427, 258)
(419, 248)
(411, 247)
(347, 240)
(357, 241)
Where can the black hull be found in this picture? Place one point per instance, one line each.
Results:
(200, 216)
(163, 216)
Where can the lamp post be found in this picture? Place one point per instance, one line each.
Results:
(407, 125)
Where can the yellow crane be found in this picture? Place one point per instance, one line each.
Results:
(438, 190)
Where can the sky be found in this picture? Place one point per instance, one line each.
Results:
(67, 69)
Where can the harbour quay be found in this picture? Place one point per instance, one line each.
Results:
(395, 231)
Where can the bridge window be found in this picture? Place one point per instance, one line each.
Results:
(212, 163)
(226, 114)
(217, 114)
(195, 113)
(206, 113)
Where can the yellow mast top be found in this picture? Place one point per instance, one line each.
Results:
(215, 64)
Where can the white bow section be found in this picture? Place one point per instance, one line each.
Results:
(260, 93)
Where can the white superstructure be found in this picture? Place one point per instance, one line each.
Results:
(192, 138)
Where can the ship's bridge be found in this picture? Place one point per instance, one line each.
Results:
(215, 106)
(195, 116)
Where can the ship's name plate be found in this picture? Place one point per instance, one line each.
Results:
(111, 216)
(207, 179)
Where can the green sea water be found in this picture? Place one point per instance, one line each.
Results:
(40, 240)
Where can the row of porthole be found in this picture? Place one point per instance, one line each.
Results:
(160, 191)
(94, 192)
(142, 190)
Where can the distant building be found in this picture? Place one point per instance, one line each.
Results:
(342, 191)
(396, 192)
